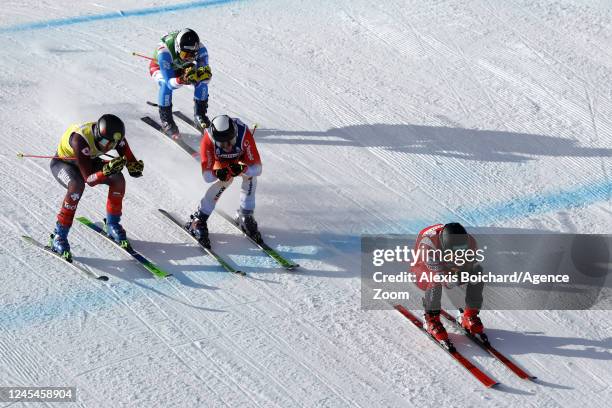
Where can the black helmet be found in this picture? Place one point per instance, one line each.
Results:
(454, 236)
(223, 129)
(109, 129)
(187, 43)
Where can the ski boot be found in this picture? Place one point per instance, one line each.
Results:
(435, 327)
(59, 241)
(198, 229)
(247, 223)
(115, 231)
(167, 122)
(200, 107)
(471, 323)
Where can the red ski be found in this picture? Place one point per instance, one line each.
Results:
(450, 349)
(486, 345)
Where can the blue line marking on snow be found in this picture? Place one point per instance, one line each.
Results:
(59, 22)
(62, 306)
(527, 206)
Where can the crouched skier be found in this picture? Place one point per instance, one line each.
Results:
(227, 150)
(77, 162)
(454, 238)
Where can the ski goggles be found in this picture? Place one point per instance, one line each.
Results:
(187, 55)
(110, 143)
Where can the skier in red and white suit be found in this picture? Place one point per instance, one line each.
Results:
(444, 237)
(227, 150)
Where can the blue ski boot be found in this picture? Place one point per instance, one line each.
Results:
(115, 231)
(59, 241)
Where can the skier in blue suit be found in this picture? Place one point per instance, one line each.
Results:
(181, 59)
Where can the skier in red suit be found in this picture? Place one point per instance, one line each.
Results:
(445, 237)
(227, 151)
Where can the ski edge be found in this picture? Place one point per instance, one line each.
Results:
(488, 347)
(78, 267)
(146, 263)
(478, 374)
(224, 264)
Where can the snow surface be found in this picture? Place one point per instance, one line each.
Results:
(373, 118)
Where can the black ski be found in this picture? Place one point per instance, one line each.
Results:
(180, 142)
(186, 119)
(226, 265)
(179, 115)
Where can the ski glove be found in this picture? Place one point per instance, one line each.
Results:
(204, 74)
(223, 174)
(114, 166)
(192, 76)
(237, 169)
(135, 168)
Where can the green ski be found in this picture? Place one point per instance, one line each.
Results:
(285, 263)
(148, 265)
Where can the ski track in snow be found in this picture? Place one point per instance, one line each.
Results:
(372, 119)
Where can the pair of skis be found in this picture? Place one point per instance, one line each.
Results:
(146, 263)
(285, 263)
(485, 379)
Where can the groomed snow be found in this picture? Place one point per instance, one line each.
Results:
(374, 118)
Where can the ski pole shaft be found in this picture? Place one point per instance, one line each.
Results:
(254, 129)
(141, 56)
(37, 156)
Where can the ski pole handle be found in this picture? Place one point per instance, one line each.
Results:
(141, 56)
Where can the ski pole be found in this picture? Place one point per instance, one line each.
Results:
(141, 56)
(36, 156)
(254, 129)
